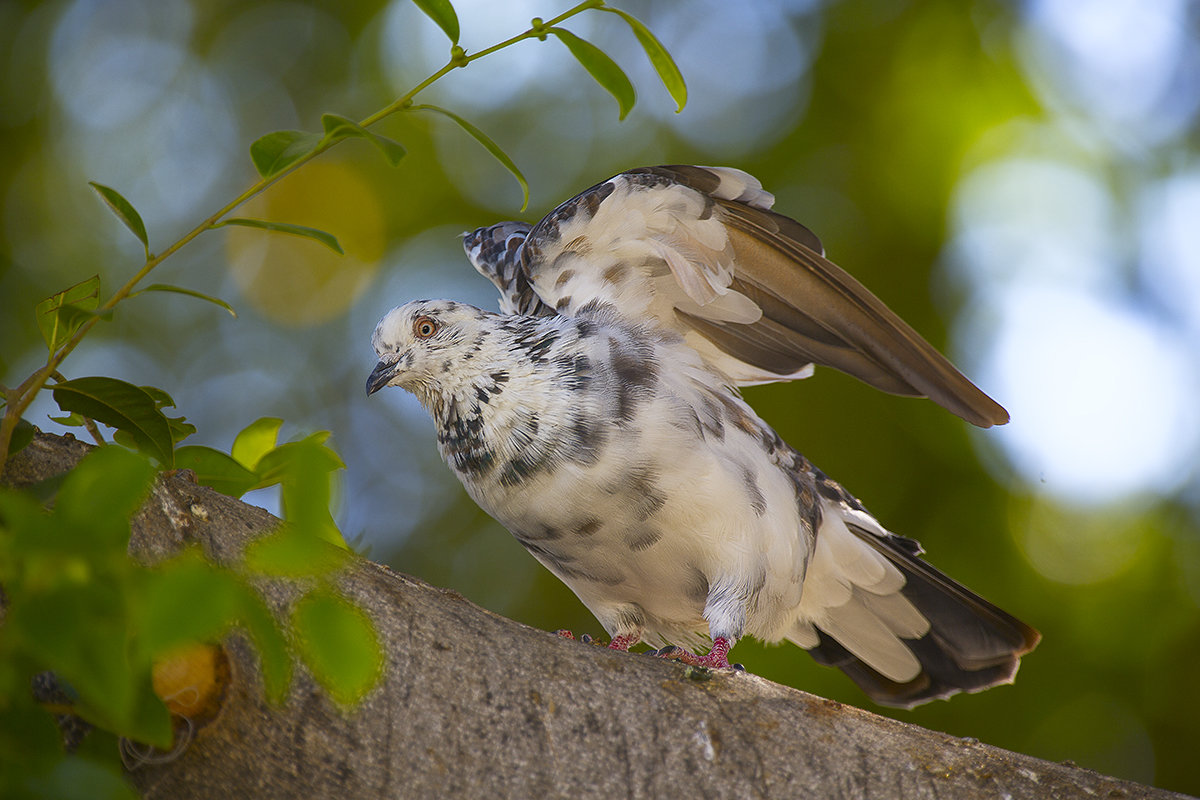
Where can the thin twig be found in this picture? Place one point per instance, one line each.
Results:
(20, 399)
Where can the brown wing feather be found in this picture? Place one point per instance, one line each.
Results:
(731, 257)
(815, 311)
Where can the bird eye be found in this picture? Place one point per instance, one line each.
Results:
(424, 327)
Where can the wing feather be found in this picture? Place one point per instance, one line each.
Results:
(697, 250)
(837, 321)
(495, 252)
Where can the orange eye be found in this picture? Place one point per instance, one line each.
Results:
(424, 327)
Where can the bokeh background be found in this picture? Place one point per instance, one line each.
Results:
(1021, 181)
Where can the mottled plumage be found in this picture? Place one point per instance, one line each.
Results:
(598, 419)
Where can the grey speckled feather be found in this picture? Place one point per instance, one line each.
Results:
(598, 419)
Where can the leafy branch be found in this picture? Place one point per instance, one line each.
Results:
(114, 633)
(67, 317)
(75, 606)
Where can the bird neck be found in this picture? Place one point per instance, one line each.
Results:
(515, 399)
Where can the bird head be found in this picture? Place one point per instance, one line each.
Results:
(419, 343)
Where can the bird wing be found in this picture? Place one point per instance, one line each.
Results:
(697, 250)
(495, 252)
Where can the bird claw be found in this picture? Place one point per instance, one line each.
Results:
(717, 658)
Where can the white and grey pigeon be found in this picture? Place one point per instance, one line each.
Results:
(598, 418)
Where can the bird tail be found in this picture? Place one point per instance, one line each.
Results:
(906, 643)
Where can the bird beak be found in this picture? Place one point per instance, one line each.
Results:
(380, 376)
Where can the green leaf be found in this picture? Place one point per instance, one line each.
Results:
(122, 406)
(663, 64)
(275, 660)
(30, 742)
(45, 491)
(303, 470)
(72, 316)
(441, 12)
(275, 152)
(339, 645)
(255, 441)
(601, 67)
(166, 287)
(56, 323)
(70, 590)
(81, 778)
(161, 397)
(294, 553)
(124, 211)
(216, 470)
(186, 600)
(22, 436)
(24, 522)
(87, 649)
(148, 719)
(488, 144)
(308, 453)
(105, 490)
(327, 239)
(180, 428)
(339, 127)
(125, 440)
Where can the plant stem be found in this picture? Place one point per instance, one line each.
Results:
(20, 398)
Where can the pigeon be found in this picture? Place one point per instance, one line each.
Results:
(597, 416)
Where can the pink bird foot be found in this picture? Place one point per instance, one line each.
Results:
(716, 658)
(624, 641)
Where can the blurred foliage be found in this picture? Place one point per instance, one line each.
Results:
(77, 606)
(863, 116)
(119, 643)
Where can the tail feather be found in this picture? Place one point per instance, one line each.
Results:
(975, 633)
(940, 676)
(969, 645)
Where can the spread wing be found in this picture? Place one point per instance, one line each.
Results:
(697, 250)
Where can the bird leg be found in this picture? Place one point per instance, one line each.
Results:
(624, 641)
(716, 658)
